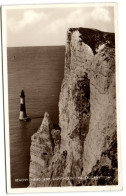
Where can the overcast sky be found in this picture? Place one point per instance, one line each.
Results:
(48, 26)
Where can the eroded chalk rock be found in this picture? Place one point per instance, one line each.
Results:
(85, 145)
(44, 143)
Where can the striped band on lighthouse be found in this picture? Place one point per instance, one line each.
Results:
(22, 114)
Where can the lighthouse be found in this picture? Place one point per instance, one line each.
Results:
(23, 115)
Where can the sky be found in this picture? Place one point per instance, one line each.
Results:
(48, 26)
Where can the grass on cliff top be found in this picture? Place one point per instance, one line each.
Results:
(94, 38)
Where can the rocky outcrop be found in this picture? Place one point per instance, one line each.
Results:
(44, 148)
(85, 145)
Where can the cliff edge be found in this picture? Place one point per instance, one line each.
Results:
(82, 150)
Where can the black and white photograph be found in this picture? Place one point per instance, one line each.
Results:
(60, 75)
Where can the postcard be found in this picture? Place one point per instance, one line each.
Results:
(61, 98)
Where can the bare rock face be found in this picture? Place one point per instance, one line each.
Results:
(43, 145)
(86, 144)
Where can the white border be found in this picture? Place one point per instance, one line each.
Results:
(5, 79)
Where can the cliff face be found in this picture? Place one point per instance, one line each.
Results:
(85, 145)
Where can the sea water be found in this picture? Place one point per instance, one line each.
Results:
(39, 72)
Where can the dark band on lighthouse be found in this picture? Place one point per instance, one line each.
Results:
(22, 107)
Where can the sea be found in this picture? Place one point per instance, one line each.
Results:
(39, 71)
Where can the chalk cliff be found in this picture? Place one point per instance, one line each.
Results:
(82, 150)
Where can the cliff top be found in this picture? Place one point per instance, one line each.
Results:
(94, 38)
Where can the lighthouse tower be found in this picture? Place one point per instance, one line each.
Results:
(22, 115)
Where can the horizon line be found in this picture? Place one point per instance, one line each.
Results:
(35, 46)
